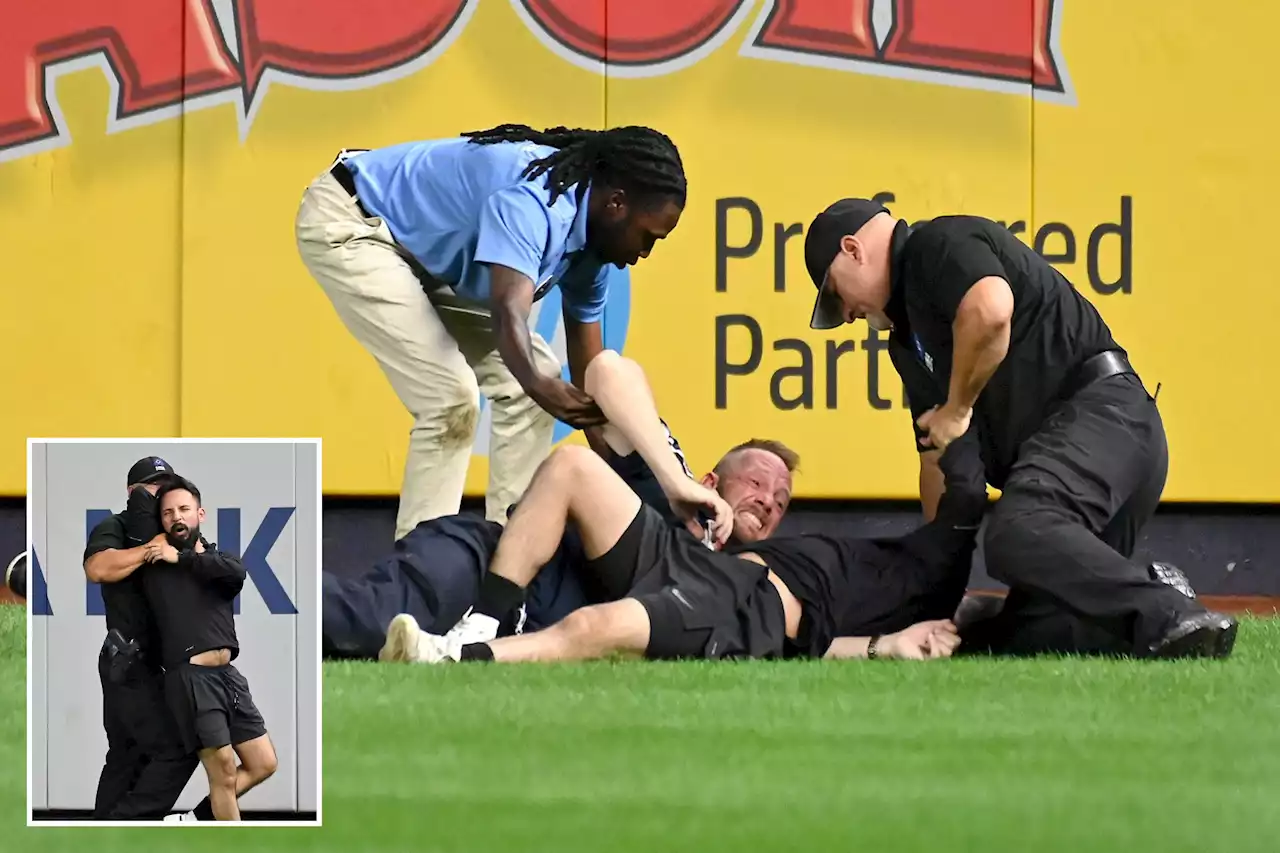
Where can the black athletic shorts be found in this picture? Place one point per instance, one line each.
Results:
(212, 706)
(701, 603)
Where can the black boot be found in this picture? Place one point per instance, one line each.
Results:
(1200, 635)
(1168, 573)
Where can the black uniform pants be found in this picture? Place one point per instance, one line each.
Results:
(146, 767)
(433, 575)
(1063, 532)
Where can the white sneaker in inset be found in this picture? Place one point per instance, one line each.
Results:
(185, 817)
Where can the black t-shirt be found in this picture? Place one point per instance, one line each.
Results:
(922, 387)
(124, 600)
(1054, 328)
(813, 566)
(193, 603)
(835, 578)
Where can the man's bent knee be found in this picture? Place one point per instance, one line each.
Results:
(579, 472)
(269, 767)
(619, 626)
(453, 421)
(601, 368)
(460, 422)
(258, 758)
(585, 622)
(220, 765)
(571, 462)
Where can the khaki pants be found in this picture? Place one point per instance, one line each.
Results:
(438, 361)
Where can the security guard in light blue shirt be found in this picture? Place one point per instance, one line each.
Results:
(433, 253)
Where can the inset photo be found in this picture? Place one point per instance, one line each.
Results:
(173, 667)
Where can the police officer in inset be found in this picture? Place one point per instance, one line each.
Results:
(1066, 428)
(146, 766)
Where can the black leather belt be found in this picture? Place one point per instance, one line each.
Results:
(347, 181)
(1104, 365)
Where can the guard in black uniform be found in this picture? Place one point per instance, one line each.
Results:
(1067, 430)
(191, 587)
(146, 766)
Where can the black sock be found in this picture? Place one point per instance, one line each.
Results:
(498, 596)
(203, 810)
(476, 651)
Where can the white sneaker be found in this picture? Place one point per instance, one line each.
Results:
(406, 641)
(473, 628)
(185, 817)
(402, 639)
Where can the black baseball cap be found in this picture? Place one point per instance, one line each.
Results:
(822, 244)
(147, 469)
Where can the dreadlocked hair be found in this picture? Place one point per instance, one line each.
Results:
(634, 159)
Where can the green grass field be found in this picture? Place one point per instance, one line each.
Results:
(966, 755)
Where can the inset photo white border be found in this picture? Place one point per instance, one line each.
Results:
(263, 504)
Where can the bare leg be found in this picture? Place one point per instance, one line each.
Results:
(257, 763)
(592, 632)
(611, 377)
(220, 765)
(572, 483)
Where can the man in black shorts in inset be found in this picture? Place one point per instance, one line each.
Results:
(677, 598)
(191, 588)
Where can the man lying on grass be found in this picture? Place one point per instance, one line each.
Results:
(811, 595)
(438, 574)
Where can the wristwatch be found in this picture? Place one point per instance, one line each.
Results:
(872, 650)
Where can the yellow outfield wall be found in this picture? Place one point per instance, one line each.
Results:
(152, 156)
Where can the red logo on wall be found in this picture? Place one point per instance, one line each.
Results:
(164, 57)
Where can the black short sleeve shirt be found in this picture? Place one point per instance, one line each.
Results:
(814, 567)
(108, 535)
(124, 601)
(953, 258)
(923, 392)
(1054, 328)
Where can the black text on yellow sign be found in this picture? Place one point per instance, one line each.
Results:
(806, 374)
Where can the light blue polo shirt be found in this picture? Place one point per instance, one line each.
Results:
(457, 206)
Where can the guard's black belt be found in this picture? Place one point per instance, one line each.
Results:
(347, 181)
(1104, 365)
